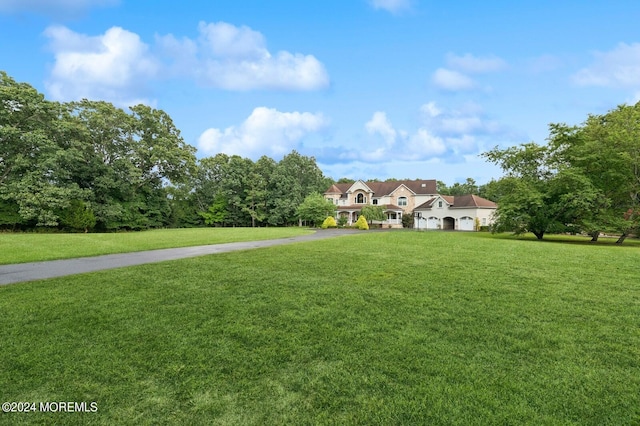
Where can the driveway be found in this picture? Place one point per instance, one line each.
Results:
(21, 272)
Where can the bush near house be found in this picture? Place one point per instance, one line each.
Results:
(362, 224)
(329, 222)
(342, 221)
(407, 220)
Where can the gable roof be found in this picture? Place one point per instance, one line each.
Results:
(460, 202)
(380, 189)
(470, 200)
(333, 190)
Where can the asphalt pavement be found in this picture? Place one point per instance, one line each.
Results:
(21, 272)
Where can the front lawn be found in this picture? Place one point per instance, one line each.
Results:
(34, 247)
(375, 328)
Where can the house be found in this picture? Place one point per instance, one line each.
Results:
(418, 198)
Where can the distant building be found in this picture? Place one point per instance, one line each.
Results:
(418, 198)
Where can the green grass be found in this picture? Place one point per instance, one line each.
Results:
(33, 247)
(375, 328)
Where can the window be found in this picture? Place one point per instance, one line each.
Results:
(375, 202)
(402, 201)
(440, 204)
(330, 200)
(361, 199)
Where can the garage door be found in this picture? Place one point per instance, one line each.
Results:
(433, 222)
(466, 223)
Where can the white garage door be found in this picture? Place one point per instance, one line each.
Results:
(433, 222)
(466, 223)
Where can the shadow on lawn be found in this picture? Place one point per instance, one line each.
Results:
(565, 239)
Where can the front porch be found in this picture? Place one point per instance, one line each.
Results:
(394, 217)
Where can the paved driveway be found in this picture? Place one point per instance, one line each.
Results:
(20, 272)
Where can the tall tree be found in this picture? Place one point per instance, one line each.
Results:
(31, 176)
(294, 177)
(606, 149)
(258, 190)
(540, 197)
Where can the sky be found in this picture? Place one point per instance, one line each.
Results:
(382, 89)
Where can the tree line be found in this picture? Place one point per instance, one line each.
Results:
(88, 165)
(586, 179)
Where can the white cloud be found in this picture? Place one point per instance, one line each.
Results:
(113, 66)
(266, 131)
(618, 68)
(452, 80)
(117, 65)
(236, 58)
(474, 64)
(443, 133)
(458, 123)
(52, 7)
(393, 6)
(380, 124)
(424, 144)
(228, 41)
(455, 78)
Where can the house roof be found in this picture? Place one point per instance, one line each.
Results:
(470, 200)
(380, 189)
(460, 202)
(334, 190)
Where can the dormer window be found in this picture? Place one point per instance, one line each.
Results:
(440, 204)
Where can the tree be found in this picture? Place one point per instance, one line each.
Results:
(539, 196)
(345, 180)
(407, 220)
(217, 213)
(78, 216)
(294, 177)
(32, 175)
(259, 190)
(468, 187)
(373, 213)
(606, 150)
(314, 209)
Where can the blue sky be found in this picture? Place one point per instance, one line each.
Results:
(371, 88)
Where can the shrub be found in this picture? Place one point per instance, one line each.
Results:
(342, 221)
(78, 216)
(329, 222)
(407, 220)
(361, 223)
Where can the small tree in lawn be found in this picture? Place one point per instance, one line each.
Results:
(362, 224)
